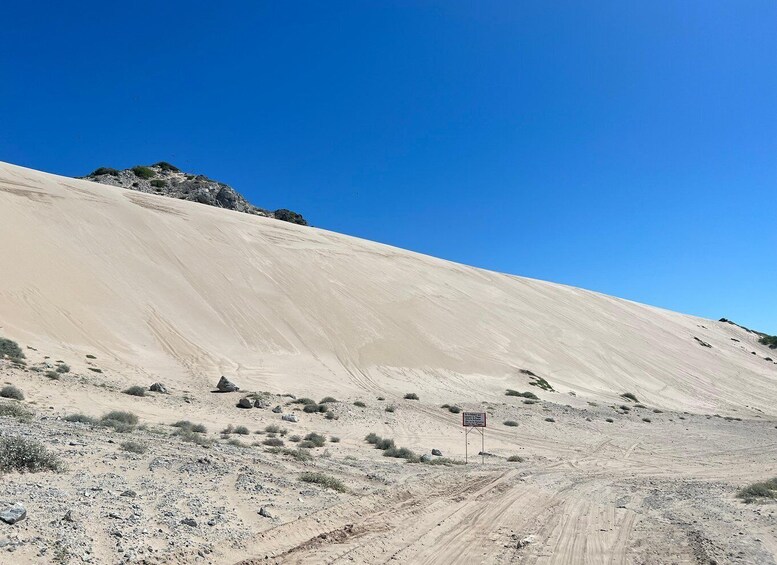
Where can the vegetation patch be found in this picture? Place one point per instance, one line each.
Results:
(323, 480)
(541, 383)
(122, 422)
(134, 446)
(454, 409)
(759, 492)
(530, 395)
(187, 425)
(165, 166)
(515, 459)
(80, 418)
(297, 454)
(313, 408)
(510, 423)
(768, 340)
(63, 368)
(27, 456)
(316, 439)
(242, 430)
(273, 442)
(193, 437)
(104, 171)
(391, 408)
(143, 172)
(11, 392)
(289, 216)
(401, 453)
(135, 391)
(411, 396)
(327, 400)
(702, 343)
(158, 183)
(15, 410)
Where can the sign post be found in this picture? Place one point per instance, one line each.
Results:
(474, 421)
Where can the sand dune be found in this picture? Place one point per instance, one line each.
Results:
(177, 289)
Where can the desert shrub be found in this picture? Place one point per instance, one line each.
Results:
(135, 391)
(14, 410)
(189, 436)
(529, 401)
(272, 429)
(104, 171)
(766, 489)
(511, 392)
(289, 216)
(228, 430)
(242, 430)
(317, 439)
(446, 461)
(391, 408)
(384, 444)
(53, 375)
(445, 406)
(297, 454)
(515, 459)
(295, 438)
(11, 392)
(63, 368)
(304, 401)
(769, 340)
(657, 411)
(360, 404)
(273, 442)
(143, 172)
(134, 446)
(331, 416)
(27, 456)
(542, 383)
(325, 481)
(372, 438)
(327, 399)
(630, 396)
(199, 429)
(401, 453)
(237, 443)
(411, 396)
(511, 423)
(120, 421)
(313, 408)
(305, 444)
(454, 409)
(158, 183)
(334, 439)
(549, 420)
(80, 418)
(165, 166)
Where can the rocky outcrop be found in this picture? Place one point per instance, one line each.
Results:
(167, 180)
(225, 385)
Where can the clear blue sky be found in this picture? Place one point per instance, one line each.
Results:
(624, 147)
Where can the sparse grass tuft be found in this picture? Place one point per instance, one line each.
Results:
(297, 454)
(273, 442)
(510, 423)
(272, 429)
(446, 461)
(15, 410)
(531, 395)
(120, 421)
(135, 391)
(53, 375)
(313, 408)
(648, 420)
(80, 418)
(454, 409)
(27, 456)
(411, 396)
(134, 446)
(401, 453)
(11, 392)
(242, 430)
(316, 439)
(189, 436)
(304, 401)
(609, 420)
(323, 480)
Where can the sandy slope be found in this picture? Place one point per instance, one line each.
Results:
(164, 287)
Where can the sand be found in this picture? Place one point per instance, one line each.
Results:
(163, 290)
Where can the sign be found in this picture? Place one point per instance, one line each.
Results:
(473, 419)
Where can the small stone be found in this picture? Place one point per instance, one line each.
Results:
(189, 522)
(225, 385)
(264, 513)
(289, 418)
(13, 514)
(437, 452)
(158, 387)
(277, 409)
(129, 493)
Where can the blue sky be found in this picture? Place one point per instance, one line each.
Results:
(624, 147)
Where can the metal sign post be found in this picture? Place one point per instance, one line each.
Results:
(474, 421)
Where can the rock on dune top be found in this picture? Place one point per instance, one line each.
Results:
(168, 180)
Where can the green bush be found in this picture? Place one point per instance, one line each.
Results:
(510, 423)
(447, 462)
(27, 456)
(401, 453)
(143, 172)
(531, 395)
(273, 442)
(242, 430)
(384, 444)
(63, 368)
(134, 446)
(104, 171)
(14, 410)
(768, 340)
(80, 418)
(297, 454)
(120, 421)
(135, 391)
(411, 396)
(11, 392)
(372, 438)
(324, 480)
(158, 183)
(316, 439)
(165, 166)
(313, 408)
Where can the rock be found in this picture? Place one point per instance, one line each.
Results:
(244, 403)
(259, 403)
(264, 513)
(69, 516)
(13, 514)
(225, 385)
(525, 541)
(189, 522)
(277, 409)
(289, 418)
(129, 493)
(158, 387)
(425, 458)
(437, 452)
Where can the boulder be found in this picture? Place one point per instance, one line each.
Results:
(260, 403)
(244, 403)
(277, 409)
(425, 458)
(437, 452)
(13, 514)
(225, 385)
(289, 417)
(158, 387)
(264, 513)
